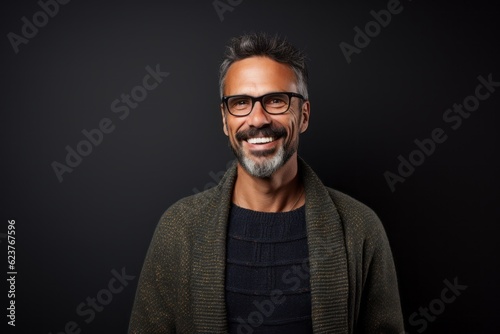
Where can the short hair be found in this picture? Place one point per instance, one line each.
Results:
(262, 44)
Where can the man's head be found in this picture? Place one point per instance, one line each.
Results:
(263, 133)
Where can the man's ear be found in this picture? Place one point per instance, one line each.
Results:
(305, 113)
(224, 121)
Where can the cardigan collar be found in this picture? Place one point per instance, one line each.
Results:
(327, 258)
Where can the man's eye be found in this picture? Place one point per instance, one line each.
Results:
(276, 102)
(239, 103)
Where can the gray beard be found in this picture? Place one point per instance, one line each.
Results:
(267, 167)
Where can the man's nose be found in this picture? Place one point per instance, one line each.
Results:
(258, 117)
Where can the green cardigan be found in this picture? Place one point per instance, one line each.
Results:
(354, 286)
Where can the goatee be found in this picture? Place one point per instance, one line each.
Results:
(266, 166)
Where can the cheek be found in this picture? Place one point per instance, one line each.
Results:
(293, 128)
(232, 129)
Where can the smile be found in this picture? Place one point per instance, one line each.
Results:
(261, 140)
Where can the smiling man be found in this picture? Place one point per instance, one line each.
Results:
(262, 115)
(270, 249)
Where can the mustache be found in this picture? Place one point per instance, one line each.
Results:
(267, 131)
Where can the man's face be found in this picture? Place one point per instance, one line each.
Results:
(279, 134)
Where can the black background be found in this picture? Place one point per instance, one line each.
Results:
(442, 222)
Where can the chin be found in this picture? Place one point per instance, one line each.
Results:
(262, 164)
(264, 167)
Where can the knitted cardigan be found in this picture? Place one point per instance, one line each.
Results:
(354, 286)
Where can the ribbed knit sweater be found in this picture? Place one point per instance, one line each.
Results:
(353, 280)
(267, 272)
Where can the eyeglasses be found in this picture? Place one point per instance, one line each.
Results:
(273, 103)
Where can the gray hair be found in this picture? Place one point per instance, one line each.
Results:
(274, 47)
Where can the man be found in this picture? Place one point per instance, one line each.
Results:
(270, 249)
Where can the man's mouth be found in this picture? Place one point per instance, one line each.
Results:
(261, 140)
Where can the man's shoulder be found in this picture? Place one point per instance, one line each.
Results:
(349, 205)
(192, 205)
(356, 216)
(199, 211)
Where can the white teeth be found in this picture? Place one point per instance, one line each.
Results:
(260, 140)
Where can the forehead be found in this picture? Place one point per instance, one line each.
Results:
(259, 75)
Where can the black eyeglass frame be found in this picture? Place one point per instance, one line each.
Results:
(225, 99)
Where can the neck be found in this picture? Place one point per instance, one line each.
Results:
(282, 191)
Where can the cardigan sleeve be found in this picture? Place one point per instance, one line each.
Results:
(153, 310)
(374, 295)
(380, 308)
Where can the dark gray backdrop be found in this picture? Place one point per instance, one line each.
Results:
(442, 221)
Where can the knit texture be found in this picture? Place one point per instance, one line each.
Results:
(267, 272)
(353, 281)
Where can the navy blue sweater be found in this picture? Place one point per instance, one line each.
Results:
(267, 273)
